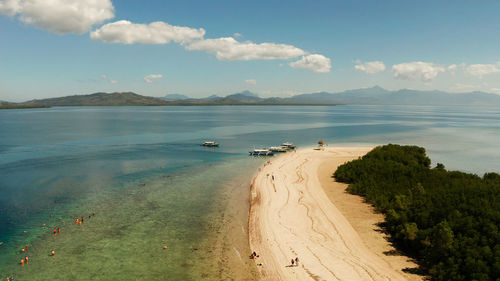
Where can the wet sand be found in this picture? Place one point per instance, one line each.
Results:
(296, 215)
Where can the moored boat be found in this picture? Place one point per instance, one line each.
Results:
(210, 144)
(289, 145)
(261, 152)
(279, 148)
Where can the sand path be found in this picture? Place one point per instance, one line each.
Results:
(291, 216)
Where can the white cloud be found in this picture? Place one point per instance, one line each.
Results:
(495, 90)
(158, 32)
(113, 82)
(314, 62)
(60, 16)
(251, 81)
(149, 78)
(481, 70)
(236, 35)
(424, 71)
(10, 7)
(371, 67)
(466, 87)
(229, 49)
(452, 68)
(225, 48)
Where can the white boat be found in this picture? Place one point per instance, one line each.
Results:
(289, 145)
(210, 144)
(261, 152)
(279, 148)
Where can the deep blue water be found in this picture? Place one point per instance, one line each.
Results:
(51, 158)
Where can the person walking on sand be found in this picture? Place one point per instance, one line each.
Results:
(293, 261)
(297, 261)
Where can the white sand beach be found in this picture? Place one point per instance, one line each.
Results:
(292, 216)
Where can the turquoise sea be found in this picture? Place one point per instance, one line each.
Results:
(141, 180)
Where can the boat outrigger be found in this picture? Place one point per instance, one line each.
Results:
(210, 144)
(279, 148)
(261, 152)
(289, 145)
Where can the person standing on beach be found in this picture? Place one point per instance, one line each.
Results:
(293, 261)
(297, 261)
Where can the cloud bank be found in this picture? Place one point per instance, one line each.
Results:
(79, 16)
(371, 67)
(60, 16)
(224, 48)
(423, 71)
(229, 49)
(158, 32)
(480, 70)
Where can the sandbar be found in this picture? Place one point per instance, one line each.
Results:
(291, 215)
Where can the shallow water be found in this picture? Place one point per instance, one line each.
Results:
(132, 224)
(69, 162)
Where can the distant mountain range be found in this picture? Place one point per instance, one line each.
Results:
(171, 97)
(367, 96)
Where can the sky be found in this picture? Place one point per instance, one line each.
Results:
(273, 48)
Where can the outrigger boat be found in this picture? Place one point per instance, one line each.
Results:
(261, 152)
(210, 144)
(279, 148)
(289, 145)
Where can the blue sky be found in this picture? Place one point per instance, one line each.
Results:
(50, 49)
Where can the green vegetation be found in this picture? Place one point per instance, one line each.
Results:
(99, 99)
(448, 220)
(20, 106)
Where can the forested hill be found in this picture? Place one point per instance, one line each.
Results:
(101, 99)
(448, 220)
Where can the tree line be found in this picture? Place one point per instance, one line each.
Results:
(447, 220)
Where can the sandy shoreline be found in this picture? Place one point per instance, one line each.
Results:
(294, 214)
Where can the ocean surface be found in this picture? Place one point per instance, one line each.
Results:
(141, 181)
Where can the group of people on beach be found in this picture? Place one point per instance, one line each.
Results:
(294, 262)
(254, 256)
